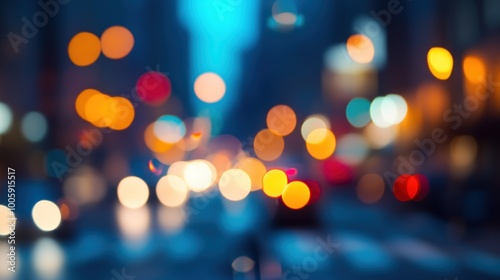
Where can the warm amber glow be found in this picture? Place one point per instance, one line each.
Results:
(82, 99)
(46, 215)
(122, 113)
(321, 143)
(255, 169)
(296, 195)
(474, 69)
(153, 142)
(267, 145)
(235, 184)
(4, 220)
(199, 175)
(209, 87)
(440, 62)
(132, 192)
(281, 120)
(274, 182)
(312, 123)
(84, 49)
(360, 48)
(171, 191)
(117, 42)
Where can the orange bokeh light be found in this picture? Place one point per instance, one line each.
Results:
(117, 42)
(84, 49)
(360, 48)
(281, 120)
(267, 145)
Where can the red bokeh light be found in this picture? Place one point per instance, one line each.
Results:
(411, 187)
(153, 88)
(336, 172)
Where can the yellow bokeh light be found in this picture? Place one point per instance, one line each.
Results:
(255, 169)
(117, 42)
(199, 175)
(474, 69)
(209, 87)
(82, 99)
(321, 143)
(312, 123)
(360, 48)
(96, 110)
(46, 215)
(440, 62)
(370, 188)
(132, 192)
(4, 220)
(296, 195)
(123, 113)
(267, 145)
(171, 191)
(84, 49)
(235, 184)
(281, 120)
(274, 182)
(153, 142)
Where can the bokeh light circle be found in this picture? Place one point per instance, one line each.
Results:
(352, 149)
(321, 143)
(5, 217)
(132, 192)
(274, 182)
(358, 112)
(235, 184)
(117, 42)
(312, 123)
(153, 88)
(169, 129)
(267, 145)
(199, 175)
(34, 126)
(360, 48)
(440, 62)
(281, 120)
(84, 49)
(46, 215)
(172, 191)
(5, 118)
(209, 87)
(296, 195)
